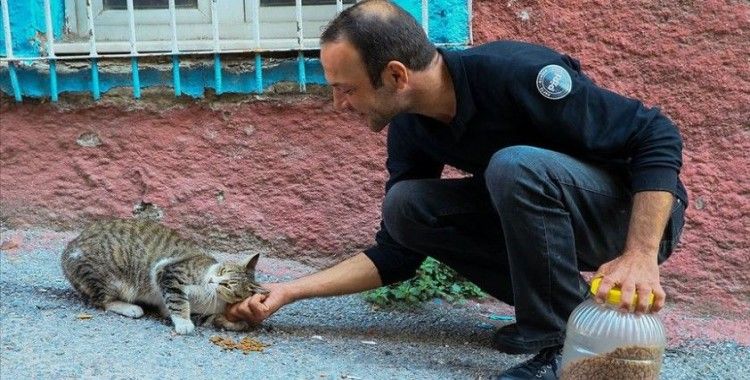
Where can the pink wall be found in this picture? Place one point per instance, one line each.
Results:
(290, 176)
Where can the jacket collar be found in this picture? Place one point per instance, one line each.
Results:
(465, 108)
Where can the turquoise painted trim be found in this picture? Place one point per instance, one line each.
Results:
(217, 74)
(95, 92)
(14, 82)
(53, 80)
(176, 75)
(258, 74)
(27, 23)
(302, 79)
(194, 80)
(136, 78)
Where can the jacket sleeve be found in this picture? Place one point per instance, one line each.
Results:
(597, 124)
(405, 161)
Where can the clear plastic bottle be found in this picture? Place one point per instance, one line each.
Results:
(604, 342)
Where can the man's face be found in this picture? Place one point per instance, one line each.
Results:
(352, 89)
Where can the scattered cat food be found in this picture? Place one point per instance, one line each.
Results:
(246, 345)
(84, 316)
(632, 362)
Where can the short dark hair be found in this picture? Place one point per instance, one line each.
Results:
(386, 34)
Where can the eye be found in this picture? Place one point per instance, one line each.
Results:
(344, 90)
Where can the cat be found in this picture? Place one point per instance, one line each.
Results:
(118, 264)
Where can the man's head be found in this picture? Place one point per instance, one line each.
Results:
(367, 53)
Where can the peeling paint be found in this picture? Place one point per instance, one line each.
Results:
(28, 23)
(196, 77)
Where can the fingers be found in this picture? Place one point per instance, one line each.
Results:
(231, 313)
(250, 309)
(626, 299)
(635, 297)
(660, 296)
(606, 284)
(257, 306)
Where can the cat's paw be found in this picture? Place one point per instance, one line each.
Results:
(183, 326)
(124, 308)
(221, 322)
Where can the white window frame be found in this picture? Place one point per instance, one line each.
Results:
(278, 28)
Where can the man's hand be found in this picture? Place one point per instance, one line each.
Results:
(636, 271)
(258, 307)
(634, 274)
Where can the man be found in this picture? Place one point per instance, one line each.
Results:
(566, 176)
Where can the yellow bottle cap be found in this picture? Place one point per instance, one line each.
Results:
(615, 294)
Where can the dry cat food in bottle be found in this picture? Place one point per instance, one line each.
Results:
(605, 342)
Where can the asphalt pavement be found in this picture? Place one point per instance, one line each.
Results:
(48, 332)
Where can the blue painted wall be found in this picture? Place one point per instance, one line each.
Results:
(449, 19)
(448, 24)
(27, 23)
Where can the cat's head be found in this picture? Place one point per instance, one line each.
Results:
(236, 281)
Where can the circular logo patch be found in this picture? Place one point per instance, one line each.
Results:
(553, 82)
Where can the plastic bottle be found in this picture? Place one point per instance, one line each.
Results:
(604, 342)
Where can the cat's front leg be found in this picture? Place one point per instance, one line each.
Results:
(220, 321)
(182, 326)
(176, 301)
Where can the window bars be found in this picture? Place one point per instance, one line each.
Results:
(51, 58)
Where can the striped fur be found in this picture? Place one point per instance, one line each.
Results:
(121, 264)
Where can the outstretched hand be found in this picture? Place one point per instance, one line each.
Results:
(634, 274)
(256, 308)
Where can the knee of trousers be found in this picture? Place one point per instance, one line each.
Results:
(401, 210)
(517, 170)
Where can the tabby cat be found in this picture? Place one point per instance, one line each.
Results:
(119, 263)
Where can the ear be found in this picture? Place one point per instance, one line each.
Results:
(249, 264)
(397, 74)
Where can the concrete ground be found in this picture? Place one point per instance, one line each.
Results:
(48, 332)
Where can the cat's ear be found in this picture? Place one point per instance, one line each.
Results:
(251, 262)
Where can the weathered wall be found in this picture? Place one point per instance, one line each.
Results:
(292, 176)
(691, 59)
(289, 172)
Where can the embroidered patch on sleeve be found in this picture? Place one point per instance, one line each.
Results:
(554, 82)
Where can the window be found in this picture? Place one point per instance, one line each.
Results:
(195, 23)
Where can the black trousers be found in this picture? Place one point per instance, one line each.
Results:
(524, 231)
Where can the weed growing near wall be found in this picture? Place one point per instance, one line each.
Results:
(434, 280)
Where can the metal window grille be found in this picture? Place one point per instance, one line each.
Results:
(94, 57)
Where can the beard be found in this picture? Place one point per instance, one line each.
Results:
(379, 118)
(376, 123)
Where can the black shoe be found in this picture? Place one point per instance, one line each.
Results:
(545, 365)
(507, 339)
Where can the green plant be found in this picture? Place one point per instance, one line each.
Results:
(434, 279)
